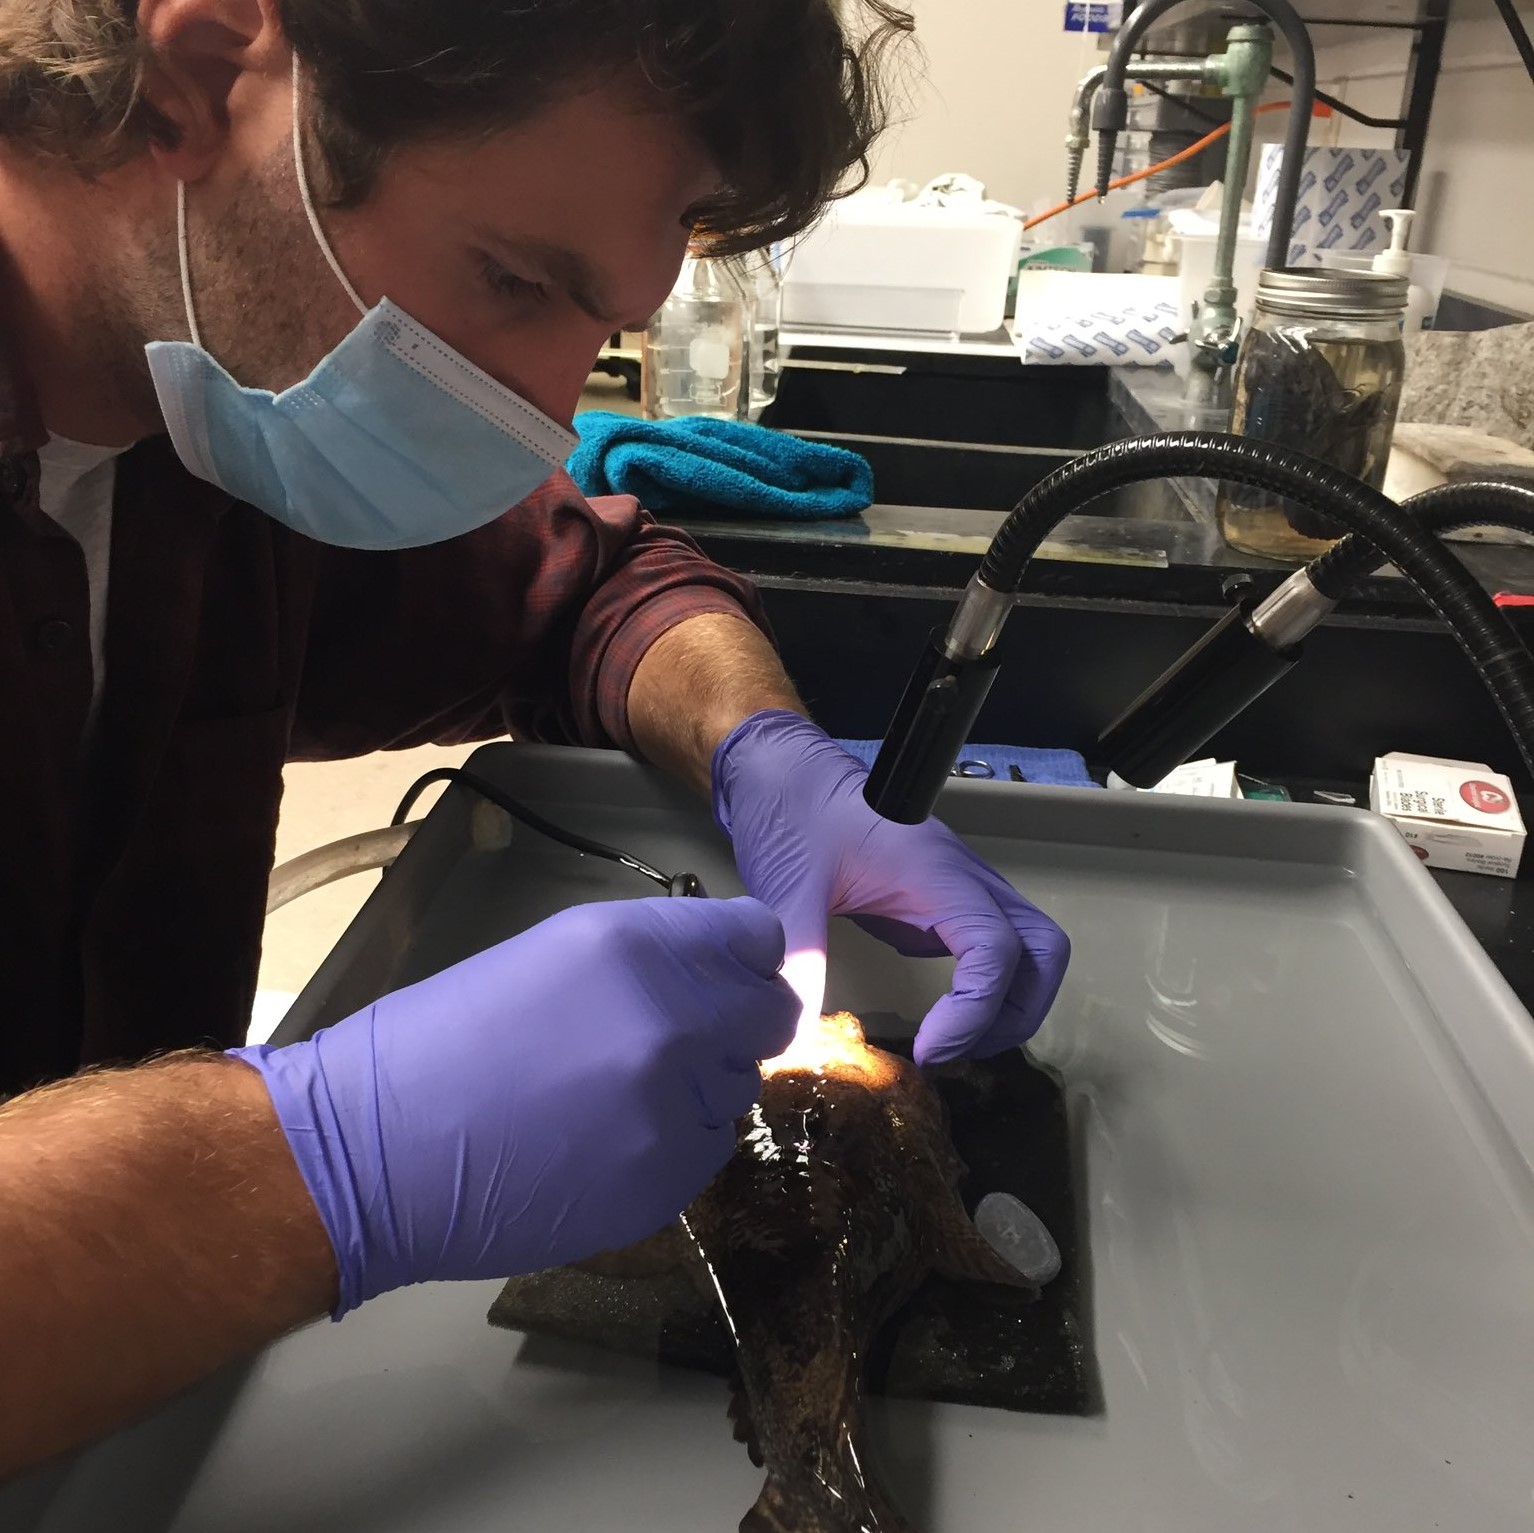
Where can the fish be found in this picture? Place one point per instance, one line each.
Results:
(841, 1199)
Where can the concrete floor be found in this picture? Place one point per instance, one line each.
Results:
(325, 802)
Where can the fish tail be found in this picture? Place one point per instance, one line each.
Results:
(787, 1506)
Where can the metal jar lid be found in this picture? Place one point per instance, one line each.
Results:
(1318, 292)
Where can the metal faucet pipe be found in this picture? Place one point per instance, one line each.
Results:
(1080, 135)
(1216, 329)
(953, 677)
(1110, 114)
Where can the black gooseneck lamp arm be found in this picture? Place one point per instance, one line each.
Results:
(1235, 662)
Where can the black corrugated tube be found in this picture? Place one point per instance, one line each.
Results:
(1446, 508)
(1467, 611)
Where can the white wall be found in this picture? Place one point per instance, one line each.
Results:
(1476, 197)
(994, 97)
(1000, 73)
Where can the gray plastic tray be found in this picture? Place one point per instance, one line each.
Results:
(1305, 1105)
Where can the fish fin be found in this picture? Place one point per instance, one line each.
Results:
(742, 1423)
(662, 1252)
(959, 1251)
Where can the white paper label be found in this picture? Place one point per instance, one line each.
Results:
(709, 356)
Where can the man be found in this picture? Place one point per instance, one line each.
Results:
(358, 259)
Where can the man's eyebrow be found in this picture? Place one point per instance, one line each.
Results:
(586, 286)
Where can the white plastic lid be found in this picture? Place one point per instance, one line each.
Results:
(1017, 1235)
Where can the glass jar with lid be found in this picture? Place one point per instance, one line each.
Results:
(1320, 370)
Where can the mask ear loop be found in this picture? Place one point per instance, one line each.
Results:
(308, 197)
(186, 265)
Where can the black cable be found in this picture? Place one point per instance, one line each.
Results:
(1445, 508)
(1184, 103)
(1347, 111)
(1519, 34)
(1482, 629)
(532, 820)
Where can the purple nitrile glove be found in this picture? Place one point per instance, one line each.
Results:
(808, 845)
(567, 1092)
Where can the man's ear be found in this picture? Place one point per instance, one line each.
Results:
(202, 55)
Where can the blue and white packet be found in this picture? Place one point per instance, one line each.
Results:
(1341, 194)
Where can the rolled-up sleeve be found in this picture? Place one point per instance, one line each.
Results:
(535, 625)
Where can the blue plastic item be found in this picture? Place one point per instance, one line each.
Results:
(1058, 769)
(718, 467)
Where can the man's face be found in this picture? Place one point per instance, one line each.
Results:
(524, 250)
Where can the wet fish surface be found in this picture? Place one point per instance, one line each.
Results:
(841, 1199)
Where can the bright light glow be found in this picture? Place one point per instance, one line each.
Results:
(806, 976)
(834, 1046)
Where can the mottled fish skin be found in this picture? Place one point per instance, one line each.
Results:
(840, 1200)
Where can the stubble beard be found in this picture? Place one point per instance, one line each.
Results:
(262, 292)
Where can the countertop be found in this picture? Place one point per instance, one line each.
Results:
(1116, 558)
(1134, 552)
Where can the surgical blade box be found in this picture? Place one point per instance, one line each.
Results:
(1453, 814)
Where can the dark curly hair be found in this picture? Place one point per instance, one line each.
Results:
(786, 95)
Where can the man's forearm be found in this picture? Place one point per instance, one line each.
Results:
(153, 1227)
(698, 682)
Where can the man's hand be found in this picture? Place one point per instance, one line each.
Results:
(565, 1093)
(809, 846)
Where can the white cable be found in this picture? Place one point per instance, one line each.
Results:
(186, 263)
(308, 196)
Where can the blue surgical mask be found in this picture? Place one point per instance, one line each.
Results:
(394, 441)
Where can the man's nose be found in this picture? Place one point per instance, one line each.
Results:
(551, 374)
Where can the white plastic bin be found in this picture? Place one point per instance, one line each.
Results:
(869, 265)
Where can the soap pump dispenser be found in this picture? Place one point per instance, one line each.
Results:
(1397, 262)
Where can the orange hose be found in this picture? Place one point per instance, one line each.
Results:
(1154, 170)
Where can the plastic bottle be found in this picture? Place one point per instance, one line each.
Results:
(697, 347)
(1397, 262)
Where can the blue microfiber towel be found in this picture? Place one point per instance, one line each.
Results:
(715, 466)
(1057, 769)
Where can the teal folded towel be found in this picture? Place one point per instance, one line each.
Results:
(732, 468)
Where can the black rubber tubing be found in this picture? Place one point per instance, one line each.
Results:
(1483, 632)
(1445, 508)
(530, 818)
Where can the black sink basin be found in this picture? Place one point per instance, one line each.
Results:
(964, 432)
(983, 476)
(943, 398)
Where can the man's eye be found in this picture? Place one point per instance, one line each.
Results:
(509, 285)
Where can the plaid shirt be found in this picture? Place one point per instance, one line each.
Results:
(133, 876)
